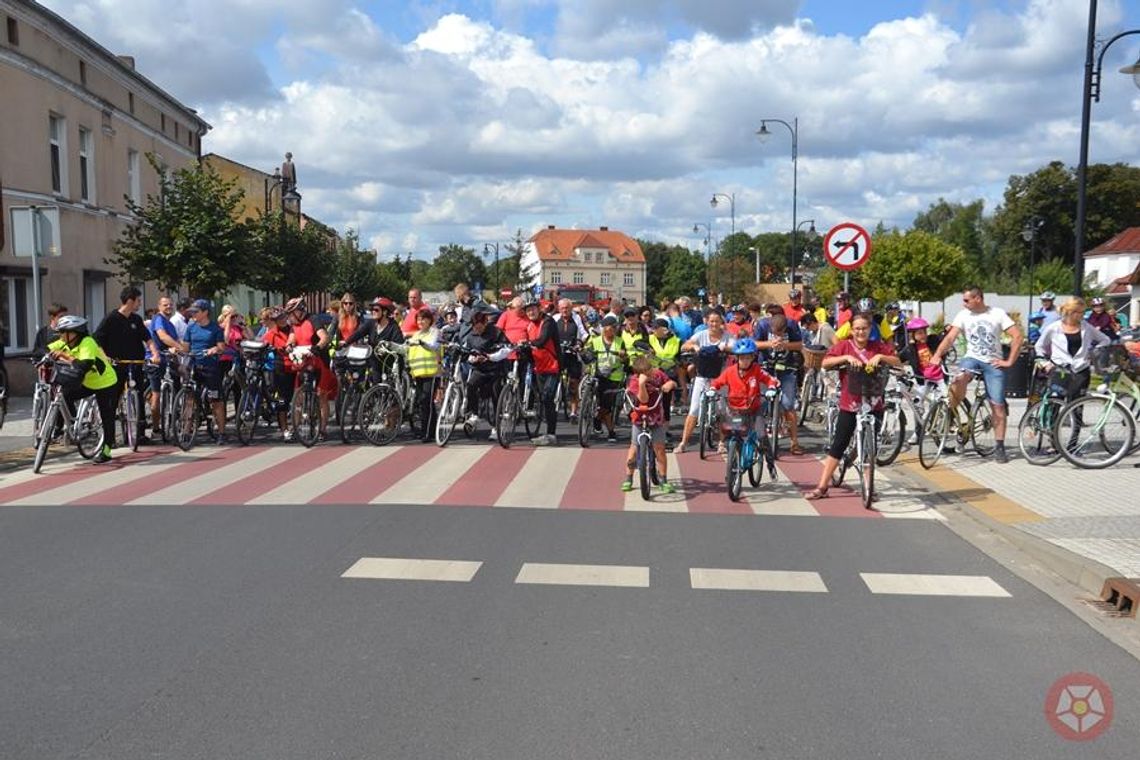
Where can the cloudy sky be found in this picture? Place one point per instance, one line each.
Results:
(425, 122)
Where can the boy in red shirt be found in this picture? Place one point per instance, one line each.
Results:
(646, 384)
(744, 380)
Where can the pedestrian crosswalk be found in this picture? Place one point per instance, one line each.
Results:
(566, 478)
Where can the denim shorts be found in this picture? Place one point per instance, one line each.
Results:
(787, 380)
(994, 377)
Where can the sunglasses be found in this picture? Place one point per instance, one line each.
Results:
(348, 303)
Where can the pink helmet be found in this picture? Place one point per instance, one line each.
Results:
(918, 323)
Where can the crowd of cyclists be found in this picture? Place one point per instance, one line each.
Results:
(641, 364)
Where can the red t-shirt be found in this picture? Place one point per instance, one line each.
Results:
(841, 316)
(848, 401)
(744, 387)
(513, 325)
(738, 329)
(657, 378)
(411, 323)
(793, 312)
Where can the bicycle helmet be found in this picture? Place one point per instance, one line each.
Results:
(866, 305)
(1048, 295)
(1098, 301)
(918, 323)
(381, 302)
(294, 304)
(275, 313)
(893, 306)
(591, 316)
(529, 300)
(745, 347)
(793, 294)
(1037, 315)
(71, 323)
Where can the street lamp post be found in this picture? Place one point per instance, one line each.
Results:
(1029, 235)
(794, 130)
(486, 249)
(1091, 95)
(731, 198)
(810, 234)
(708, 248)
(756, 255)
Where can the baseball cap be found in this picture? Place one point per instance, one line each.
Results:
(200, 305)
(609, 321)
(659, 322)
(629, 311)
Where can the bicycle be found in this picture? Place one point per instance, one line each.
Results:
(191, 404)
(454, 395)
(41, 396)
(3, 393)
(258, 394)
(1112, 433)
(383, 406)
(1035, 436)
(518, 398)
(353, 369)
(746, 451)
(646, 456)
(813, 391)
(306, 416)
(587, 397)
(970, 423)
(862, 451)
(84, 429)
(897, 399)
(167, 388)
(130, 402)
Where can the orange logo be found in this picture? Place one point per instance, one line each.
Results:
(1079, 707)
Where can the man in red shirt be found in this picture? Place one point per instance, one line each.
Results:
(410, 325)
(794, 308)
(513, 322)
(842, 308)
(740, 325)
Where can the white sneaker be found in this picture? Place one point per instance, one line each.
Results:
(494, 435)
(289, 434)
(473, 420)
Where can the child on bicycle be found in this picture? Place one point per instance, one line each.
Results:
(646, 384)
(744, 380)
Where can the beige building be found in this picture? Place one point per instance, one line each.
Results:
(77, 123)
(603, 258)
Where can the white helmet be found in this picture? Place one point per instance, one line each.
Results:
(71, 323)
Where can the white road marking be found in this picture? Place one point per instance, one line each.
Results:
(584, 575)
(543, 480)
(304, 486)
(399, 569)
(188, 490)
(933, 585)
(658, 502)
(756, 580)
(110, 478)
(430, 480)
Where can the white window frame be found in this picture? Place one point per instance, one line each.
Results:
(579, 278)
(606, 278)
(134, 183)
(57, 147)
(627, 280)
(86, 165)
(556, 277)
(10, 313)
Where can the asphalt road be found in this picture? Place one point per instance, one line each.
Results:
(229, 632)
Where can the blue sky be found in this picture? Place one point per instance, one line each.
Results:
(424, 123)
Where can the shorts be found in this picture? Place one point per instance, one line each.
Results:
(699, 386)
(210, 377)
(994, 377)
(788, 384)
(657, 434)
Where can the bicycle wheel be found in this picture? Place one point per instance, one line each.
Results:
(40, 405)
(644, 453)
(44, 433)
(131, 419)
(774, 421)
(532, 415)
(1094, 432)
(166, 412)
(380, 413)
(756, 469)
(449, 412)
(891, 435)
(89, 430)
(706, 432)
(506, 412)
(1035, 432)
(841, 469)
(306, 416)
(982, 429)
(186, 418)
(807, 394)
(249, 414)
(866, 466)
(348, 406)
(733, 474)
(933, 434)
(587, 409)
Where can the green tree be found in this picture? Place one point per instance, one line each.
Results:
(354, 270)
(829, 281)
(456, 264)
(286, 259)
(684, 274)
(915, 266)
(186, 234)
(958, 224)
(388, 281)
(656, 259)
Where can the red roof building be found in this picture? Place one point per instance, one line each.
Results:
(603, 258)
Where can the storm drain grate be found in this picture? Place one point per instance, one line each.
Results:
(1107, 609)
(1121, 595)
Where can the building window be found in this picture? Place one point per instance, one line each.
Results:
(176, 131)
(606, 278)
(57, 134)
(162, 122)
(555, 277)
(627, 280)
(86, 166)
(16, 311)
(579, 278)
(95, 297)
(131, 102)
(588, 256)
(83, 73)
(13, 32)
(133, 176)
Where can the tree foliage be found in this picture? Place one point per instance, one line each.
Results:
(916, 266)
(353, 270)
(684, 274)
(456, 264)
(186, 235)
(287, 259)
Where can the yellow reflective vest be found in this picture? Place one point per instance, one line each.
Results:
(88, 350)
(423, 359)
(609, 362)
(665, 353)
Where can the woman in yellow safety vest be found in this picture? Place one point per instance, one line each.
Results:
(423, 364)
(78, 349)
(610, 357)
(665, 347)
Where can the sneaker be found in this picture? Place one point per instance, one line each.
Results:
(597, 425)
(288, 434)
(104, 455)
(544, 440)
(611, 437)
(494, 435)
(627, 484)
(667, 487)
(220, 439)
(574, 417)
(472, 420)
(999, 454)
(322, 437)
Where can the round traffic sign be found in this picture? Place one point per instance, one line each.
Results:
(847, 246)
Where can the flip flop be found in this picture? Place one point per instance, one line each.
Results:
(797, 450)
(816, 494)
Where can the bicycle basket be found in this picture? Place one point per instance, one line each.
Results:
(358, 354)
(813, 358)
(736, 420)
(1110, 358)
(67, 376)
(867, 384)
(252, 346)
(1062, 382)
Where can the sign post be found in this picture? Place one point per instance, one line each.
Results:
(34, 216)
(847, 246)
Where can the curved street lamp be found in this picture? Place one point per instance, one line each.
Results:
(1029, 234)
(1091, 95)
(731, 198)
(794, 130)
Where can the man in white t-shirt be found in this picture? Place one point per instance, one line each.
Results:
(983, 327)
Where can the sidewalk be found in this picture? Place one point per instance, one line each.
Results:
(16, 435)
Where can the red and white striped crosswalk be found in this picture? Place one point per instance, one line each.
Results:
(566, 477)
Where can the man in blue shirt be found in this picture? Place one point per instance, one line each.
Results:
(165, 337)
(205, 342)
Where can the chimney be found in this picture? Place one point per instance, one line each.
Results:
(550, 226)
(127, 60)
(605, 229)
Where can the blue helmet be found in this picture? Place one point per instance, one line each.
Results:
(1037, 315)
(744, 347)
